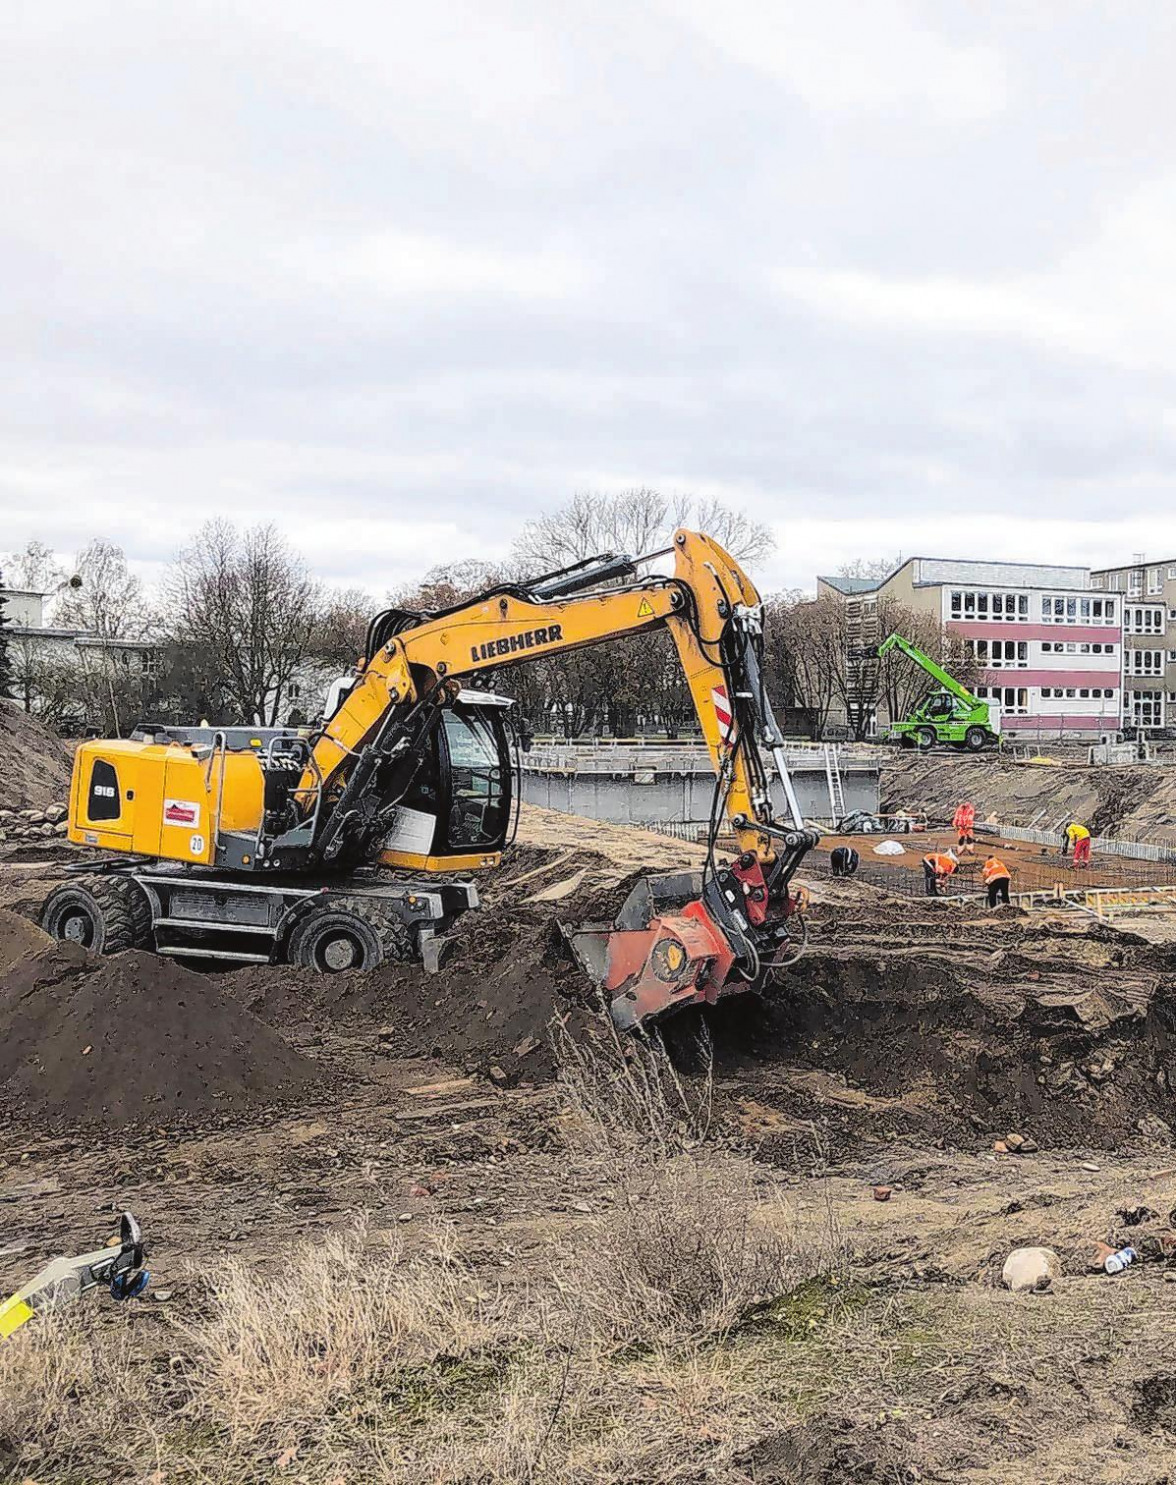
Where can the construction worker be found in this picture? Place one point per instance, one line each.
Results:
(937, 867)
(964, 824)
(1079, 837)
(996, 878)
(844, 861)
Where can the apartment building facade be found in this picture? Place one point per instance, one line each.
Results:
(1147, 592)
(1050, 646)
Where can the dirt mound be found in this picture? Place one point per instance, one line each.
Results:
(131, 1038)
(509, 971)
(1131, 802)
(18, 937)
(37, 763)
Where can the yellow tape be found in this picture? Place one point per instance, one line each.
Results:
(13, 1314)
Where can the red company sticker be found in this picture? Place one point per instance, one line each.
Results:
(181, 812)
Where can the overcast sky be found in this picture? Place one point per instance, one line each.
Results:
(893, 276)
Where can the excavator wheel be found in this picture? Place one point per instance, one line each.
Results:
(106, 914)
(925, 739)
(356, 935)
(975, 738)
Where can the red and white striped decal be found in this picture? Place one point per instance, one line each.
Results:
(723, 716)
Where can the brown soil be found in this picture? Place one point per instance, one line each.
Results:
(36, 762)
(1132, 802)
(130, 1038)
(911, 1036)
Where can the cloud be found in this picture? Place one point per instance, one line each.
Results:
(397, 279)
(848, 58)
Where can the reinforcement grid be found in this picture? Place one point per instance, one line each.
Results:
(1029, 874)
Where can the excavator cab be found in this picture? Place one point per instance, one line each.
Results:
(459, 810)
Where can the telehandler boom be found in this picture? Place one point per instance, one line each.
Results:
(265, 844)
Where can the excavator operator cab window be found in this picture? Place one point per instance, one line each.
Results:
(476, 777)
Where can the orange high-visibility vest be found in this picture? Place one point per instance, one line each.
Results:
(942, 866)
(964, 818)
(994, 870)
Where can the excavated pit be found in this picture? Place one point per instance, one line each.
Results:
(909, 1017)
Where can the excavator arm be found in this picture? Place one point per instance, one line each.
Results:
(733, 929)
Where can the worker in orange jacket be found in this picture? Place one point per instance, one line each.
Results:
(996, 878)
(937, 867)
(964, 824)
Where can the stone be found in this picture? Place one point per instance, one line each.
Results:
(882, 1193)
(1030, 1270)
(1028, 1147)
(56, 812)
(1153, 1128)
(999, 1147)
(61, 828)
(498, 1076)
(1014, 1141)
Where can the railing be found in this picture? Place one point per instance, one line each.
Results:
(620, 755)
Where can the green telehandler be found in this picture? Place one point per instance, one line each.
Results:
(950, 714)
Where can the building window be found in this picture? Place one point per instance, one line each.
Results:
(1096, 580)
(1013, 700)
(1007, 607)
(149, 664)
(1143, 619)
(1172, 574)
(1115, 582)
(1153, 580)
(1144, 708)
(1000, 652)
(1135, 583)
(1145, 662)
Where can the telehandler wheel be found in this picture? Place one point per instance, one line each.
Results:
(975, 738)
(362, 935)
(106, 914)
(925, 739)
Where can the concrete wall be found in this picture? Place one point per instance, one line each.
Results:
(687, 796)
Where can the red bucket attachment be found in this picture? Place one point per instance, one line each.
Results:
(664, 951)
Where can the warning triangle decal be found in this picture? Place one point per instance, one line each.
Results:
(645, 611)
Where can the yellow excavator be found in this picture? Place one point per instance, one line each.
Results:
(347, 846)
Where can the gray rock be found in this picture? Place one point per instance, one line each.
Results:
(56, 812)
(1030, 1269)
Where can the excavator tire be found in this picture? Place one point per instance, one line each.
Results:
(975, 738)
(107, 914)
(359, 934)
(925, 739)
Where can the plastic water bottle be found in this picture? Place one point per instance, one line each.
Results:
(1117, 1262)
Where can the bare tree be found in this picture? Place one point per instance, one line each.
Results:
(633, 521)
(637, 681)
(246, 606)
(35, 568)
(108, 602)
(804, 648)
(874, 568)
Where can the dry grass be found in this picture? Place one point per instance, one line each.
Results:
(636, 1353)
